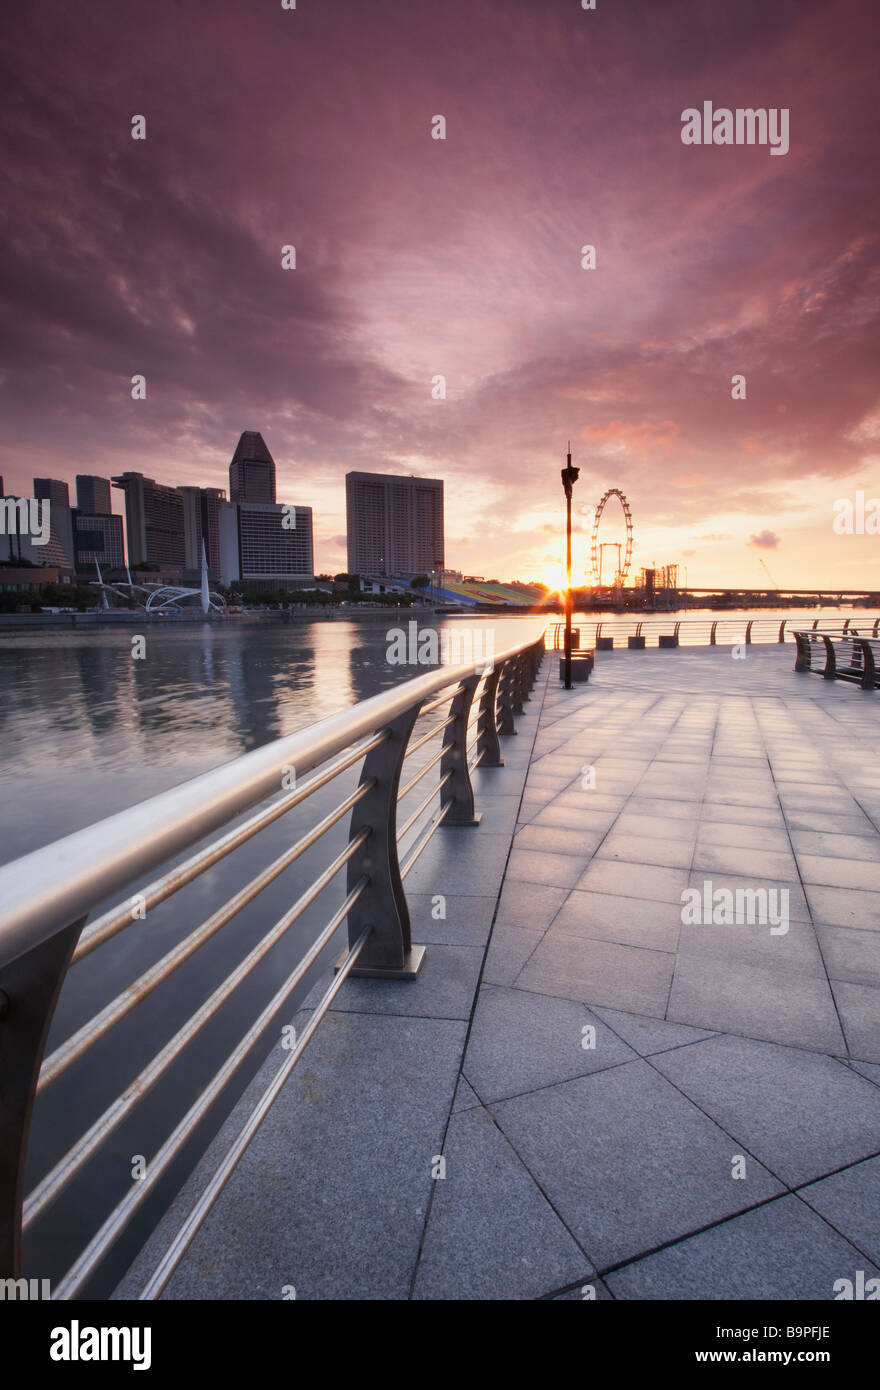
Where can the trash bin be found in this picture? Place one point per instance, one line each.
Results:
(581, 666)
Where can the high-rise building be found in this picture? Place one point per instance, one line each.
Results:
(22, 536)
(201, 525)
(97, 540)
(252, 470)
(394, 524)
(93, 494)
(153, 522)
(52, 490)
(260, 542)
(55, 492)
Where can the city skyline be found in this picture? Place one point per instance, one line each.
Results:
(420, 259)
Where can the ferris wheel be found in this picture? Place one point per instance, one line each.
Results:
(595, 563)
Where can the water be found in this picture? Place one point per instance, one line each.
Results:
(88, 731)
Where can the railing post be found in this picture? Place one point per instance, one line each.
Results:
(782, 629)
(516, 683)
(846, 626)
(388, 952)
(749, 632)
(869, 679)
(487, 722)
(525, 685)
(458, 793)
(29, 989)
(712, 642)
(505, 700)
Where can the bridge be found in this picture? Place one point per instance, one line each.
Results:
(837, 595)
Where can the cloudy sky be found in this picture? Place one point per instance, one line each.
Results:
(418, 257)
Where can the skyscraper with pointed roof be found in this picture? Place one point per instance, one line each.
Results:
(252, 470)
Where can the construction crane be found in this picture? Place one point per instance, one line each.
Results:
(767, 572)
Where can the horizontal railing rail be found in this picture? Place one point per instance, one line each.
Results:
(47, 897)
(690, 632)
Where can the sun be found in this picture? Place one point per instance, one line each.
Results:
(554, 577)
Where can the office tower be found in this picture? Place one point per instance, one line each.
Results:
(258, 544)
(97, 540)
(201, 525)
(252, 470)
(93, 494)
(153, 522)
(55, 492)
(394, 524)
(52, 490)
(20, 530)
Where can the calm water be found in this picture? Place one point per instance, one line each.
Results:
(88, 731)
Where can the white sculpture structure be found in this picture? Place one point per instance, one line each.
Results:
(153, 598)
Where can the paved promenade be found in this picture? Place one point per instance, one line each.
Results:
(625, 1105)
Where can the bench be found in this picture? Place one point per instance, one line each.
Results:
(846, 658)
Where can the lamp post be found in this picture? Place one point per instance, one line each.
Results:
(569, 478)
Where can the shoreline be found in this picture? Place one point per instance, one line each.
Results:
(124, 618)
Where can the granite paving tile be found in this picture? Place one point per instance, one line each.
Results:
(627, 1161)
(800, 1113)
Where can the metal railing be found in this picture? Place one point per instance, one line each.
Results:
(46, 898)
(701, 632)
(846, 656)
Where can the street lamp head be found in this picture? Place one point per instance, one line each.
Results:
(569, 478)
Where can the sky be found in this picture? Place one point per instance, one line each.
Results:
(419, 258)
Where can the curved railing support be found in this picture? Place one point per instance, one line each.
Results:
(488, 746)
(29, 989)
(457, 793)
(505, 703)
(381, 907)
(517, 684)
(869, 678)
